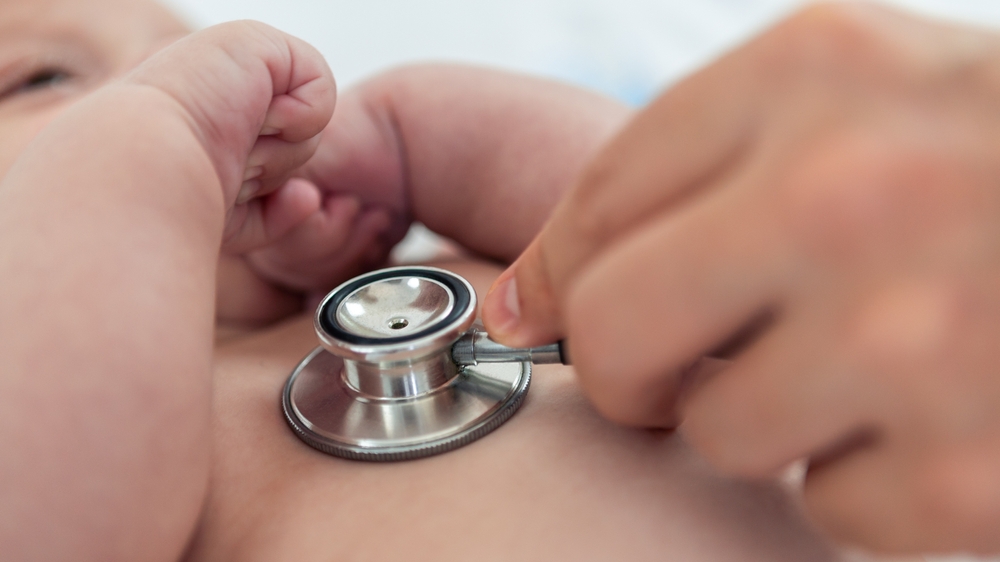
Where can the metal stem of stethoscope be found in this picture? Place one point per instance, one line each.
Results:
(401, 372)
(475, 346)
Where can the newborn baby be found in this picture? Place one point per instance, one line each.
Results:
(170, 206)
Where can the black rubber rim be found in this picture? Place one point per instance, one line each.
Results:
(328, 314)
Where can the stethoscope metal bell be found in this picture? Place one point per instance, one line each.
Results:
(400, 374)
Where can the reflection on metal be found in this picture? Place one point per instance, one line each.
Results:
(328, 415)
(384, 384)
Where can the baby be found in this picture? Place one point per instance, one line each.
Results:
(159, 186)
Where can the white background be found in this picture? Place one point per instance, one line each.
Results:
(627, 48)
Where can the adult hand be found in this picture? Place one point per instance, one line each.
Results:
(824, 204)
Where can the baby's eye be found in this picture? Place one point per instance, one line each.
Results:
(41, 79)
(36, 80)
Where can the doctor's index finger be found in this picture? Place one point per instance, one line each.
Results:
(696, 137)
(684, 141)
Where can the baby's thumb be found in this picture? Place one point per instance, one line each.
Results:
(521, 309)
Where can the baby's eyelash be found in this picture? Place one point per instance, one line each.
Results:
(44, 78)
(35, 80)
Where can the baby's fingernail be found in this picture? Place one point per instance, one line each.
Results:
(247, 191)
(267, 131)
(507, 315)
(253, 173)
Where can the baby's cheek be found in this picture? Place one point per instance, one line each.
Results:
(18, 129)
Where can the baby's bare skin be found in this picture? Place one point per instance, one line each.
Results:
(113, 216)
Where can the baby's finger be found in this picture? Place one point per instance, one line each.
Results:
(270, 163)
(310, 241)
(290, 116)
(304, 95)
(858, 498)
(285, 90)
(331, 246)
(263, 220)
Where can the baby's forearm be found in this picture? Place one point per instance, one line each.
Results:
(479, 155)
(109, 230)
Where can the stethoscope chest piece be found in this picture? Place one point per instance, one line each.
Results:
(384, 385)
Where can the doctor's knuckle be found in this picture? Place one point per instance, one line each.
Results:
(954, 501)
(841, 504)
(855, 189)
(832, 42)
(714, 439)
(590, 207)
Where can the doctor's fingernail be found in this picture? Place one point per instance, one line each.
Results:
(268, 131)
(508, 314)
(247, 191)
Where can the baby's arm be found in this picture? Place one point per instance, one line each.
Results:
(110, 227)
(478, 155)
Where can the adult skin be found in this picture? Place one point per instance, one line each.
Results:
(821, 205)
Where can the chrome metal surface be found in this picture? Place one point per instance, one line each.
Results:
(393, 307)
(383, 385)
(435, 315)
(402, 379)
(330, 416)
(475, 346)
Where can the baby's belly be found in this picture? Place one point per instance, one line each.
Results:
(556, 482)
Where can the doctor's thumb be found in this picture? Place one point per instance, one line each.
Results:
(521, 309)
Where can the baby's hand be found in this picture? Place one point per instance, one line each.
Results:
(257, 99)
(477, 155)
(335, 239)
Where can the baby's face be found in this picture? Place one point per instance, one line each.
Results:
(52, 52)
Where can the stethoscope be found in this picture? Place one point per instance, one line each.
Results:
(401, 372)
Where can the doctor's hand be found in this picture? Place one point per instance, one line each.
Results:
(823, 207)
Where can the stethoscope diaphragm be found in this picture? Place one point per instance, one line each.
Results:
(401, 373)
